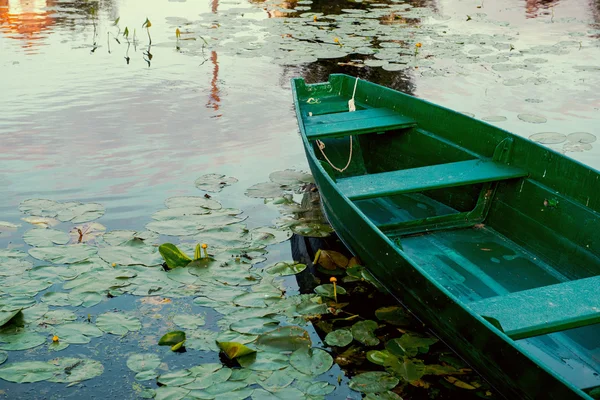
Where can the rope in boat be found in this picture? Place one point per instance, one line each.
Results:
(321, 145)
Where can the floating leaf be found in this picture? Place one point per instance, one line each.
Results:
(80, 212)
(458, 383)
(133, 252)
(264, 361)
(192, 201)
(409, 345)
(284, 268)
(21, 341)
(285, 338)
(326, 290)
(174, 257)
(45, 237)
(87, 233)
(28, 371)
(68, 254)
(340, 337)
(77, 333)
(394, 315)
(41, 207)
(214, 182)
(6, 316)
(312, 229)
(172, 338)
(363, 331)
(255, 325)
(3, 356)
(233, 350)
(330, 259)
(76, 369)
(383, 396)
(290, 177)
(409, 369)
(170, 393)
(117, 323)
(175, 227)
(188, 321)
(373, 382)
(311, 361)
(143, 362)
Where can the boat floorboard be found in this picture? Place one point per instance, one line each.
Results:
(474, 264)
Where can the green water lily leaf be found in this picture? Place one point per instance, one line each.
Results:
(143, 362)
(266, 190)
(214, 182)
(179, 213)
(13, 303)
(389, 395)
(174, 257)
(254, 325)
(264, 361)
(6, 316)
(381, 357)
(290, 177)
(118, 237)
(285, 338)
(373, 382)
(80, 212)
(309, 307)
(170, 393)
(364, 332)
(56, 317)
(117, 323)
(177, 378)
(265, 236)
(188, 321)
(41, 207)
(193, 201)
(394, 315)
(176, 227)
(172, 338)
(437, 369)
(284, 268)
(287, 393)
(318, 388)
(312, 229)
(340, 337)
(40, 237)
(409, 345)
(330, 259)
(87, 233)
(76, 369)
(409, 369)
(233, 350)
(311, 361)
(326, 290)
(133, 252)
(257, 299)
(28, 371)
(277, 380)
(77, 333)
(68, 254)
(3, 356)
(205, 378)
(21, 341)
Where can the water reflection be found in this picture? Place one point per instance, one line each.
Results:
(535, 8)
(214, 99)
(26, 20)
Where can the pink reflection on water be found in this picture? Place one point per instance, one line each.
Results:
(26, 20)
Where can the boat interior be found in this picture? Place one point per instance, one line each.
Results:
(513, 250)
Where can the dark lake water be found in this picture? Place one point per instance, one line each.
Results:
(87, 118)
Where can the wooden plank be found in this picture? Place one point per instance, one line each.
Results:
(546, 309)
(349, 116)
(357, 127)
(427, 178)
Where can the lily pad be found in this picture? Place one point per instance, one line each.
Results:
(373, 382)
(363, 331)
(254, 325)
(174, 257)
(264, 361)
(409, 369)
(175, 227)
(172, 338)
(290, 177)
(21, 341)
(548, 137)
(133, 252)
(284, 268)
(45, 237)
(340, 337)
(326, 290)
(532, 119)
(266, 190)
(3, 356)
(233, 349)
(285, 338)
(68, 254)
(409, 345)
(28, 371)
(41, 207)
(6, 316)
(80, 212)
(117, 323)
(143, 362)
(214, 182)
(192, 201)
(394, 315)
(176, 378)
(77, 333)
(76, 369)
(311, 361)
(188, 321)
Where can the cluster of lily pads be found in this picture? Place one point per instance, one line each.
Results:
(263, 334)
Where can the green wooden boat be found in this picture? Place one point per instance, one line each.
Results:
(489, 238)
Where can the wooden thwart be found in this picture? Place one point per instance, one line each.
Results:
(427, 178)
(544, 310)
(355, 123)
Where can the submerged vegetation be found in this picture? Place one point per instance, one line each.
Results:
(264, 333)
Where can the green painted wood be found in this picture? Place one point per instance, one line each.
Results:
(526, 369)
(348, 116)
(329, 105)
(544, 310)
(427, 178)
(358, 126)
